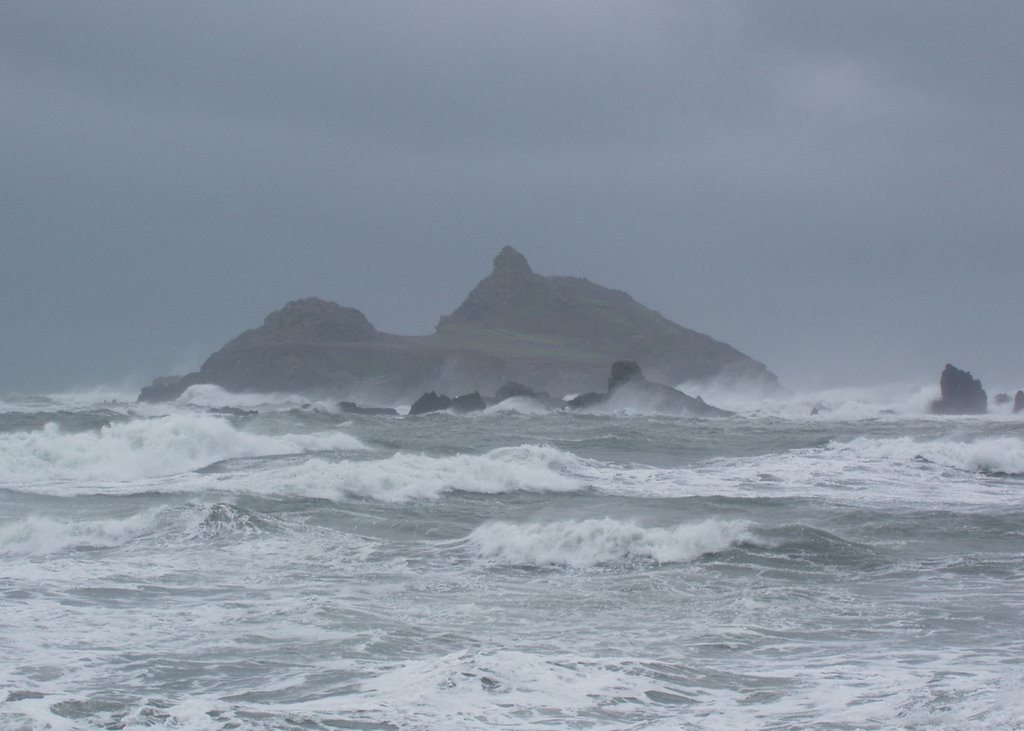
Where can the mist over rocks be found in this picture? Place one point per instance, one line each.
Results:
(555, 333)
(961, 393)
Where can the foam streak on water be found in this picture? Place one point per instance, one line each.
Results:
(188, 566)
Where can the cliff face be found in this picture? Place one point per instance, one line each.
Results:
(554, 333)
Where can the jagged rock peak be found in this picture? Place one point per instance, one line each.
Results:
(511, 261)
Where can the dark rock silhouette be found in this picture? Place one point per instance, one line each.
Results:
(468, 402)
(961, 393)
(556, 333)
(624, 371)
(629, 389)
(1018, 402)
(348, 407)
(1001, 399)
(430, 402)
(164, 388)
(512, 390)
(587, 400)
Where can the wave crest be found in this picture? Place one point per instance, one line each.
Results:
(146, 448)
(585, 543)
(403, 477)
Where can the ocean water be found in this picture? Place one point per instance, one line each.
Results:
(177, 566)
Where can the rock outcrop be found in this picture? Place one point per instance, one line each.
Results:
(464, 404)
(629, 390)
(1018, 402)
(555, 333)
(961, 393)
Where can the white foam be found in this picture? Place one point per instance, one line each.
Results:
(521, 405)
(145, 448)
(492, 688)
(583, 543)
(992, 454)
(863, 470)
(893, 400)
(40, 536)
(207, 395)
(404, 476)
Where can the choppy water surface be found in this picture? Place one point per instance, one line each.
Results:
(298, 568)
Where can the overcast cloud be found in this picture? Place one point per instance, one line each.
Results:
(834, 188)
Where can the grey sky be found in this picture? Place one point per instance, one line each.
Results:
(837, 189)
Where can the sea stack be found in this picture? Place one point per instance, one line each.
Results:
(961, 393)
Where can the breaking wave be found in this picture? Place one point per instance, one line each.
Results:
(40, 536)
(993, 454)
(585, 543)
(146, 448)
(402, 477)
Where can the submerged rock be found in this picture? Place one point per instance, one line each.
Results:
(961, 393)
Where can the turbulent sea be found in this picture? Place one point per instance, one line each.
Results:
(299, 568)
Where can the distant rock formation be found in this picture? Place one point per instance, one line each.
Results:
(1018, 402)
(1001, 399)
(628, 389)
(555, 333)
(961, 393)
(431, 402)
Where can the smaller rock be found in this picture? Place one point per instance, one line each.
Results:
(512, 390)
(1018, 402)
(1001, 398)
(348, 407)
(430, 402)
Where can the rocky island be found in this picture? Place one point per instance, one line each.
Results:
(557, 334)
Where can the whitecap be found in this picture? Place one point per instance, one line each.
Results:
(404, 476)
(585, 543)
(146, 448)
